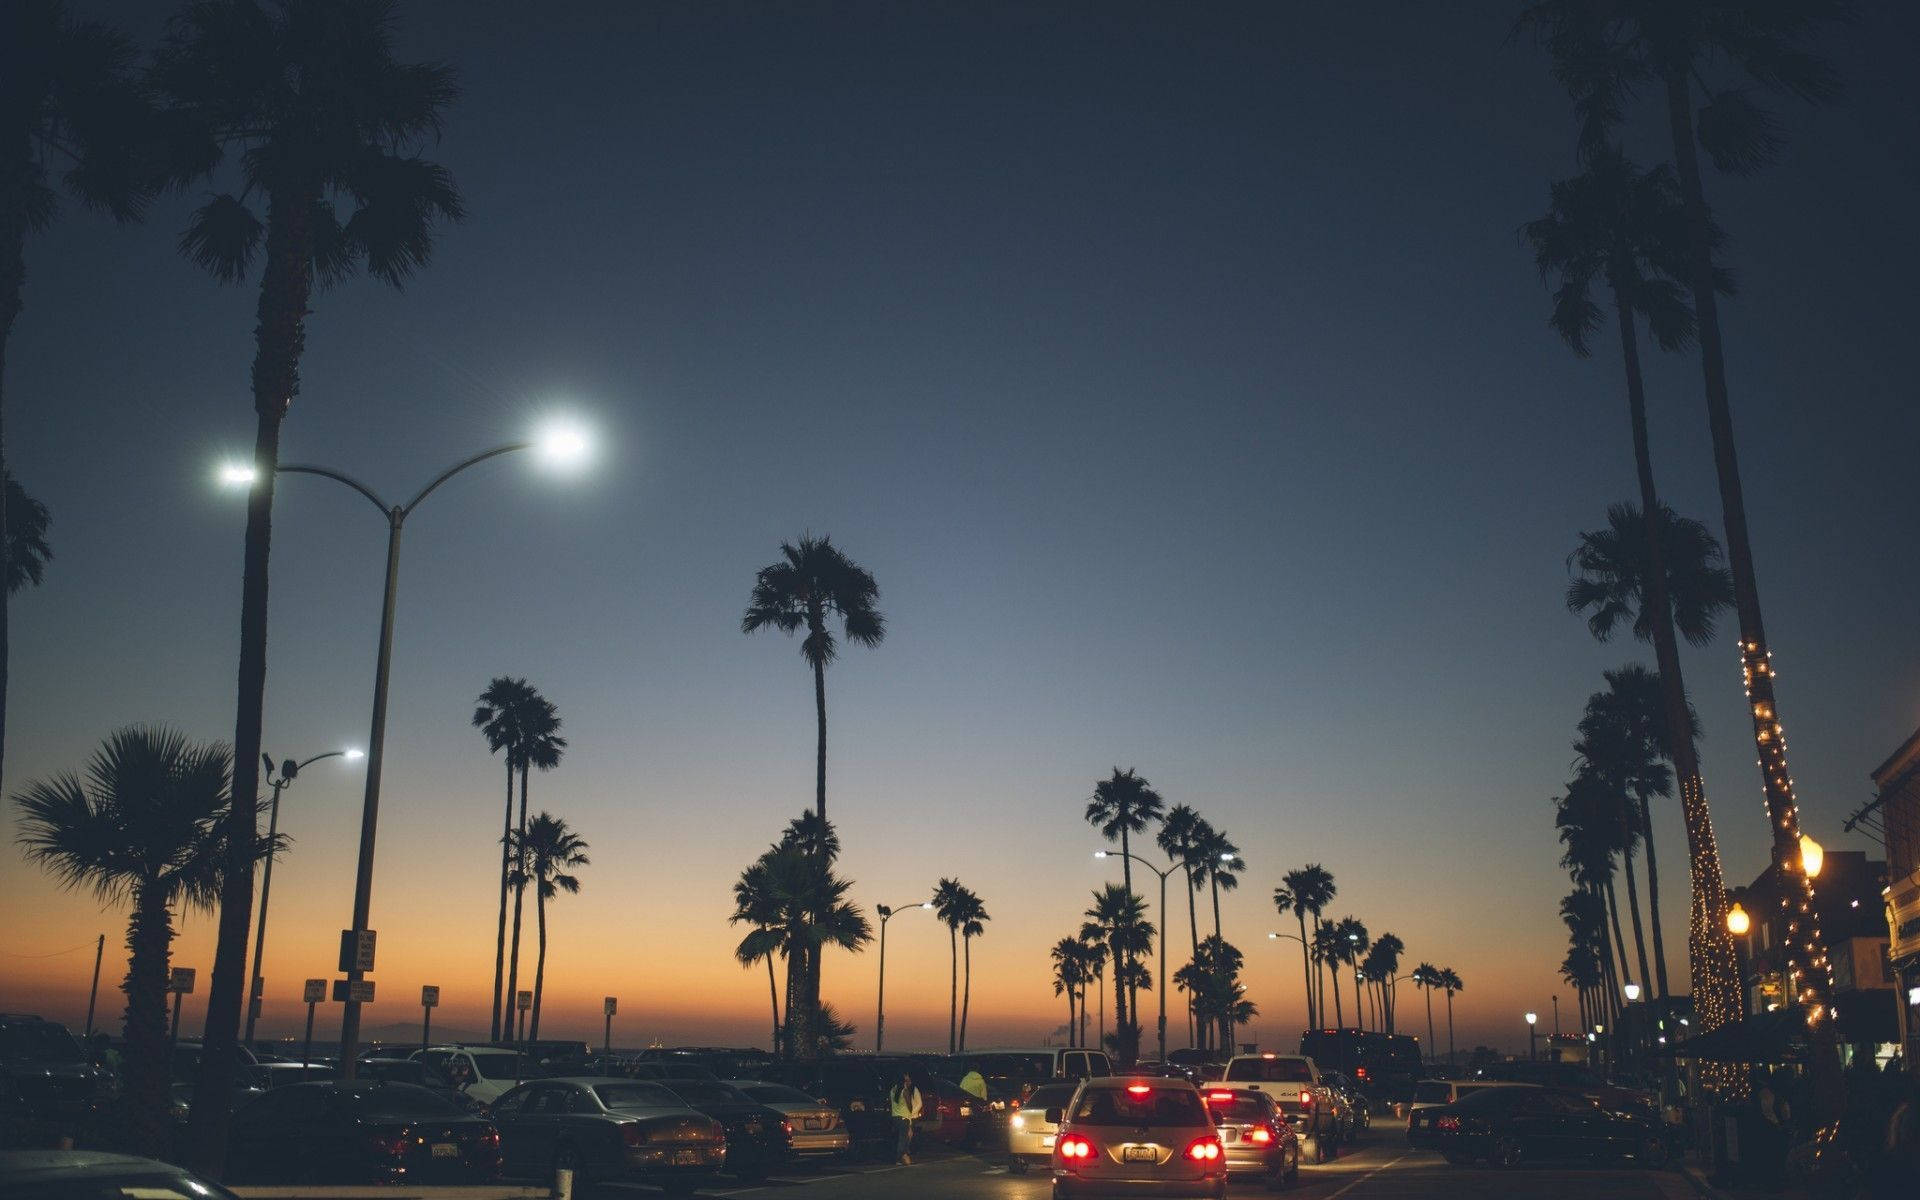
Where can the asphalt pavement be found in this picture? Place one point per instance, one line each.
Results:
(1380, 1167)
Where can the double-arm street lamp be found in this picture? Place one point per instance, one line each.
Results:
(1162, 985)
(880, 1016)
(288, 772)
(558, 445)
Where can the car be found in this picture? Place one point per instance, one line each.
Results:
(93, 1175)
(1255, 1134)
(1349, 1103)
(270, 1075)
(1382, 1065)
(608, 1128)
(1577, 1076)
(49, 1088)
(758, 1139)
(816, 1128)
(1294, 1083)
(724, 1062)
(1034, 1125)
(555, 1057)
(1138, 1136)
(1511, 1126)
(1429, 1093)
(1032, 1066)
(417, 1073)
(488, 1070)
(856, 1087)
(360, 1131)
(186, 1062)
(654, 1069)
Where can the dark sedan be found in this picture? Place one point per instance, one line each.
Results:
(93, 1175)
(758, 1139)
(604, 1128)
(364, 1131)
(1510, 1126)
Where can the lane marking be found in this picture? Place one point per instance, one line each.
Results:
(1369, 1175)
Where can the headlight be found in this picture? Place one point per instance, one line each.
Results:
(1019, 1120)
(999, 1106)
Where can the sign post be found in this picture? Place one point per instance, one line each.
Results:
(316, 991)
(429, 1000)
(180, 983)
(606, 1047)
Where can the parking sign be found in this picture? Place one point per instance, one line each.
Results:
(316, 991)
(429, 995)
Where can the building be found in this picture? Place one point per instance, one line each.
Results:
(1848, 895)
(1896, 808)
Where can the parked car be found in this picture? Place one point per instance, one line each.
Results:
(363, 1131)
(1349, 1103)
(757, 1136)
(856, 1087)
(417, 1073)
(1295, 1084)
(488, 1071)
(555, 1056)
(49, 1088)
(608, 1128)
(1256, 1135)
(186, 1062)
(1576, 1076)
(654, 1069)
(1035, 1066)
(93, 1175)
(1138, 1136)
(1031, 1130)
(270, 1075)
(726, 1062)
(815, 1126)
(1431, 1093)
(1511, 1126)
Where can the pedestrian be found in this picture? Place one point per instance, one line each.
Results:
(1899, 1161)
(904, 1103)
(974, 1084)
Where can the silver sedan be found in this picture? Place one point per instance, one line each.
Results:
(818, 1131)
(1032, 1127)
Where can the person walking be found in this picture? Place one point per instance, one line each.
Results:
(904, 1103)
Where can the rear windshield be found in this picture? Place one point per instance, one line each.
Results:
(500, 1064)
(1270, 1070)
(1055, 1096)
(1013, 1066)
(37, 1041)
(1155, 1106)
(778, 1093)
(699, 1091)
(637, 1095)
(392, 1101)
(1231, 1106)
(1433, 1093)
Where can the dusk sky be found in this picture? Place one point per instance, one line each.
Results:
(1176, 369)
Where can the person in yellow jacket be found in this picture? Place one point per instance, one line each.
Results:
(905, 1105)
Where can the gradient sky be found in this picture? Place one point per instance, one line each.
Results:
(1177, 371)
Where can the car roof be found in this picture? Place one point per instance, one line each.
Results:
(1149, 1080)
(21, 1164)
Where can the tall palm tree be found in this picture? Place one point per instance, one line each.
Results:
(971, 928)
(1309, 890)
(1593, 828)
(1603, 52)
(1118, 920)
(951, 905)
(795, 894)
(1178, 839)
(1124, 804)
(1426, 977)
(540, 746)
(756, 902)
(140, 827)
(306, 101)
(1093, 956)
(551, 852)
(1386, 952)
(1222, 861)
(1350, 941)
(1068, 978)
(503, 714)
(811, 583)
(27, 553)
(70, 105)
(1326, 954)
(1450, 983)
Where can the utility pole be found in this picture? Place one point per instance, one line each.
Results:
(93, 993)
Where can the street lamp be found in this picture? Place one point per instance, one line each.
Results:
(1632, 991)
(1161, 987)
(1531, 1019)
(289, 770)
(1737, 921)
(556, 444)
(1812, 856)
(1274, 937)
(880, 1017)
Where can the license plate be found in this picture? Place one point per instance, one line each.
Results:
(685, 1158)
(1138, 1154)
(1047, 1141)
(1229, 1135)
(446, 1150)
(813, 1123)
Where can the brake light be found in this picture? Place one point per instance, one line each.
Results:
(1075, 1147)
(1451, 1124)
(1138, 1089)
(1260, 1136)
(632, 1135)
(1206, 1149)
(1360, 1071)
(1306, 1099)
(393, 1145)
(1220, 1097)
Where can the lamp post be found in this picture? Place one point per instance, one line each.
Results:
(1532, 1018)
(1273, 936)
(558, 445)
(289, 771)
(1160, 987)
(1738, 923)
(1556, 1014)
(880, 1015)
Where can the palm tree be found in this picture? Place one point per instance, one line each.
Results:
(1124, 804)
(306, 99)
(551, 852)
(949, 907)
(141, 828)
(1326, 953)
(1118, 920)
(1426, 977)
(1093, 956)
(1068, 978)
(27, 554)
(1309, 890)
(794, 893)
(810, 583)
(1450, 983)
(541, 745)
(1221, 859)
(1593, 828)
(1349, 942)
(972, 927)
(756, 902)
(502, 715)
(71, 104)
(1386, 952)
(1179, 840)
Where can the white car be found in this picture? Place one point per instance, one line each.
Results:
(1035, 1125)
(490, 1070)
(1295, 1085)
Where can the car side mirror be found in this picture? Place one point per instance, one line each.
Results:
(1052, 1116)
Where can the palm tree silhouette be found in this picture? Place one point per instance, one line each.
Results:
(1179, 840)
(1069, 975)
(502, 716)
(1221, 859)
(1308, 890)
(1593, 828)
(756, 901)
(972, 927)
(811, 582)
(541, 745)
(72, 105)
(799, 897)
(141, 827)
(1118, 921)
(27, 551)
(1426, 977)
(1122, 805)
(1450, 983)
(1093, 956)
(306, 98)
(550, 852)
(950, 906)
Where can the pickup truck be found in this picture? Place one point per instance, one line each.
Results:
(1295, 1085)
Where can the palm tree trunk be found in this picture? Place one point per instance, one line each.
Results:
(1120, 1002)
(1449, 1026)
(147, 1069)
(539, 963)
(1339, 1014)
(1213, 881)
(820, 744)
(1193, 931)
(1319, 976)
(1306, 969)
(1653, 899)
(500, 936)
(953, 989)
(519, 897)
(1619, 944)
(286, 285)
(773, 997)
(966, 995)
(13, 278)
(796, 995)
(1431, 1047)
(1709, 946)
(1633, 910)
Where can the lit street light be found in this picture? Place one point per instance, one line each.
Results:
(555, 445)
(1531, 1019)
(1161, 987)
(289, 770)
(1632, 991)
(880, 1016)
(1737, 921)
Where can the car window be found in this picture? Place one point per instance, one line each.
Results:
(1054, 1096)
(701, 1091)
(1433, 1093)
(1009, 1066)
(293, 1104)
(1490, 1097)
(1569, 1103)
(498, 1064)
(1270, 1070)
(395, 1101)
(510, 1104)
(545, 1101)
(637, 1095)
(1099, 1064)
(1154, 1106)
(38, 1041)
(776, 1093)
(1239, 1106)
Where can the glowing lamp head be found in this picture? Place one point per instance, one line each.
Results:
(562, 444)
(1633, 992)
(1812, 856)
(1532, 1017)
(238, 474)
(351, 755)
(926, 904)
(1737, 921)
(1102, 854)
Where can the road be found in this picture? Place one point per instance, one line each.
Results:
(1381, 1167)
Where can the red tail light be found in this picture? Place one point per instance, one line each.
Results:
(1075, 1148)
(392, 1145)
(1306, 1099)
(1451, 1124)
(1206, 1149)
(632, 1135)
(1220, 1097)
(1260, 1136)
(1138, 1089)
(491, 1138)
